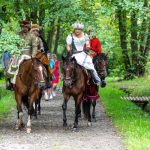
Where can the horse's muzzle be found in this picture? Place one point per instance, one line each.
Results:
(67, 83)
(41, 84)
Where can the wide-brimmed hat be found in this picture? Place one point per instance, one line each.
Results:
(35, 27)
(78, 25)
(25, 23)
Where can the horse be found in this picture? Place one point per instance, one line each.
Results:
(29, 84)
(74, 84)
(100, 64)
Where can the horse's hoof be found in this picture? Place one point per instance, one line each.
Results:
(28, 130)
(19, 126)
(89, 124)
(64, 124)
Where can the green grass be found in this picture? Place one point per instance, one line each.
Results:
(7, 102)
(137, 87)
(131, 121)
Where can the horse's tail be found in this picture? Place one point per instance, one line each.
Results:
(86, 106)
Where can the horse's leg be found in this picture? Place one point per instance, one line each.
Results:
(89, 112)
(64, 107)
(30, 112)
(93, 112)
(19, 123)
(35, 109)
(77, 110)
(39, 105)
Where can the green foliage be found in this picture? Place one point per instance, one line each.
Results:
(130, 120)
(100, 14)
(9, 40)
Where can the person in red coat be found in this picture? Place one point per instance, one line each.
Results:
(96, 48)
(95, 44)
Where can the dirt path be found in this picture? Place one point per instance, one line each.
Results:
(48, 133)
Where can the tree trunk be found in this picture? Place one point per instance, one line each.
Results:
(57, 37)
(144, 43)
(51, 35)
(34, 15)
(134, 43)
(41, 17)
(121, 14)
(144, 55)
(17, 8)
(26, 9)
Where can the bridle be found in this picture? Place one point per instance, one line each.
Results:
(100, 61)
(69, 81)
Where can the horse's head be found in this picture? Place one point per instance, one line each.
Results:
(39, 73)
(100, 63)
(69, 70)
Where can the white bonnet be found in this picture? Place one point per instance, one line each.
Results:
(78, 25)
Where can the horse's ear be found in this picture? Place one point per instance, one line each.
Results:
(73, 60)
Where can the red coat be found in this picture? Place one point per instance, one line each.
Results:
(95, 45)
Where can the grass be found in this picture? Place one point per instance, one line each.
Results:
(137, 87)
(131, 121)
(7, 102)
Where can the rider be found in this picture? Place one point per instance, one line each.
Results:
(32, 44)
(76, 43)
(96, 47)
(95, 44)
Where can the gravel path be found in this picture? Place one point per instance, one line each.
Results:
(48, 133)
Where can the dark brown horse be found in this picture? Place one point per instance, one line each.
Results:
(100, 63)
(29, 82)
(75, 80)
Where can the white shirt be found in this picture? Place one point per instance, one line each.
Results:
(79, 42)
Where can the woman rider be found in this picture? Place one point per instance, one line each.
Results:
(77, 42)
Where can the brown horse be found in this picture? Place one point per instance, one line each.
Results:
(29, 82)
(75, 80)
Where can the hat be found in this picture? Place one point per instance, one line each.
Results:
(90, 28)
(78, 25)
(35, 27)
(25, 23)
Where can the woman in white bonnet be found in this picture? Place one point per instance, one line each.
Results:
(77, 42)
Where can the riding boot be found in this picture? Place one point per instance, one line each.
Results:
(95, 77)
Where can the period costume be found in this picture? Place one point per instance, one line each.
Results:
(95, 46)
(30, 46)
(78, 47)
